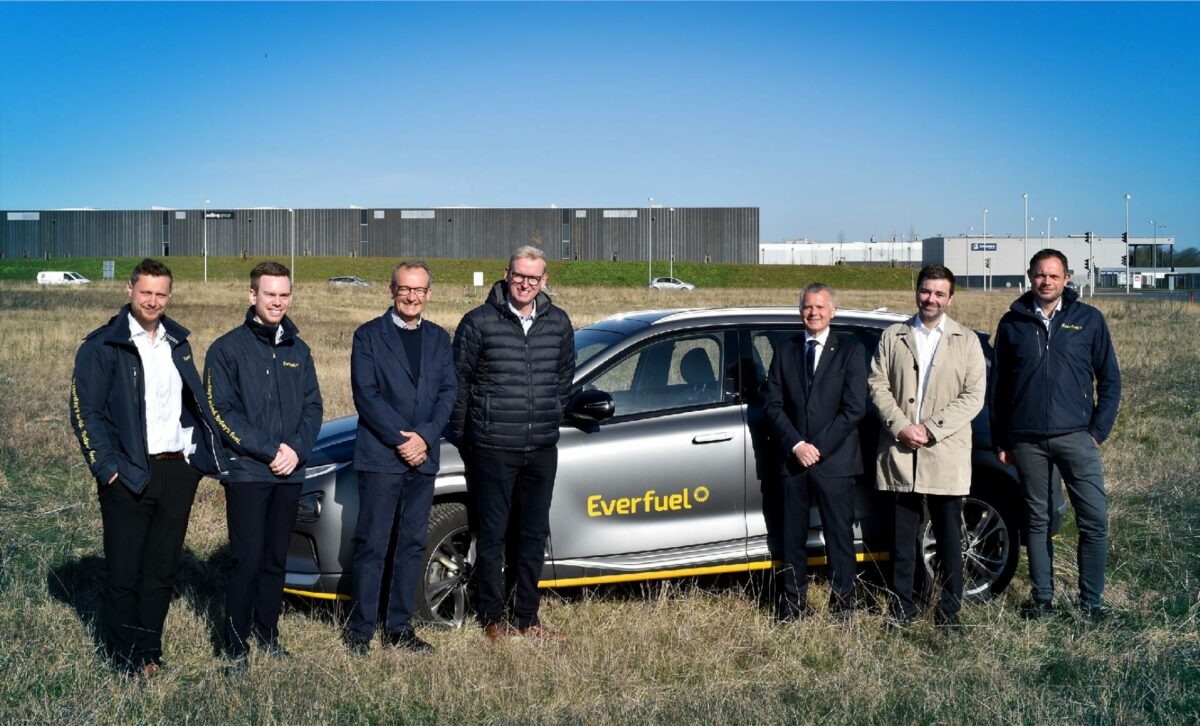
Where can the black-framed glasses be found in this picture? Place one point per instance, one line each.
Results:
(418, 291)
(534, 280)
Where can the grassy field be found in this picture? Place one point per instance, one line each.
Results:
(692, 650)
(459, 272)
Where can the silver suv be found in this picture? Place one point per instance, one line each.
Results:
(664, 470)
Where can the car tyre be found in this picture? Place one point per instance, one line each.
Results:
(990, 544)
(445, 597)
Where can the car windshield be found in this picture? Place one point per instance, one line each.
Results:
(589, 342)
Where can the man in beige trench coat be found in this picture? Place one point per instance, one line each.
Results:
(928, 381)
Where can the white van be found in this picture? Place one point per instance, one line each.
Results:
(61, 277)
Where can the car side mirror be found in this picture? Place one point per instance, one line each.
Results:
(590, 407)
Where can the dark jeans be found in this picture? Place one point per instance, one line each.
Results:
(511, 491)
(945, 515)
(1078, 458)
(835, 502)
(261, 516)
(143, 541)
(384, 500)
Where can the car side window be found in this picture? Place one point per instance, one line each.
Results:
(672, 373)
(764, 343)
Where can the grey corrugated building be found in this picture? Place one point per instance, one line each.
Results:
(692, 234)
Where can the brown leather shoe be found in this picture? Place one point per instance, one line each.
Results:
(498, 632)
(150, 670)
(541, 632)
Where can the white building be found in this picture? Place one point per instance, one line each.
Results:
(809, 252)
(997, 262)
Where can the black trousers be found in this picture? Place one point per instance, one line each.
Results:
(511, 491)
(260, 516)
(835, 502)
(945, 516)
(143, 542)
(385, 501)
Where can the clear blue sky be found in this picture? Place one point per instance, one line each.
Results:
(865, 119)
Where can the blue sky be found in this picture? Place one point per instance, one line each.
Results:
(859, 118)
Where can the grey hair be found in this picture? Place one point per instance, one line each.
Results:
(412, 265)
(818, 287)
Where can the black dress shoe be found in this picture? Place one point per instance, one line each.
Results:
(1095, 613)
(356, 646)
(1033, 609)
(407, 640)
(948, 623)
(274, 649)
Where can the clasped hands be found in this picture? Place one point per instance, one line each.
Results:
(807, 454)
(285, 462)
(914, 436)
(414, 451)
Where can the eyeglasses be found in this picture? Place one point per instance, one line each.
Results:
(418, 291)
(533, 280)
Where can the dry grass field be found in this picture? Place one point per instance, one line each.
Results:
(682, 651)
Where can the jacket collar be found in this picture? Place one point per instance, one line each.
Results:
(1024, 304)
(119, 334)
(498, 298)
(267, 332)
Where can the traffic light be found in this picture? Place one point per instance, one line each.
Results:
(1124, 261)
(1087, 264)
(1087, 237)
(1125, 238)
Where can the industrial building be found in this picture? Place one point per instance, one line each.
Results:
(690, 234)
(997, 262)
(890, 252)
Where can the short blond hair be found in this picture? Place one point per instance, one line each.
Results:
(528, 252)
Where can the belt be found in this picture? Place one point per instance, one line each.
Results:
(168, 456)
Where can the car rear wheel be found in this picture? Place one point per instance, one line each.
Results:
(445, 596)
(989, 545)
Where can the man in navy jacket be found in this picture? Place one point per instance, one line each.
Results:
(404, 384)
(263, 392)
(816, 397)
(1050, 349)
(137, 410)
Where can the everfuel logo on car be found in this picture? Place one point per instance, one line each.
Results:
(651, 501)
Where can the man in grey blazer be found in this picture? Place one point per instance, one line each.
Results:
(404, 384)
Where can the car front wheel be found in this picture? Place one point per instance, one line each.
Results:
(445, 596)
(989, 544)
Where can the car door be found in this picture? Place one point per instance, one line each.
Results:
(661, 484)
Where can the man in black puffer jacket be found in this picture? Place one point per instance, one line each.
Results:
(263, 392)
(515, 360)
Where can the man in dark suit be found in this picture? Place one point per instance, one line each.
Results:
(816, 396)
(404, 384)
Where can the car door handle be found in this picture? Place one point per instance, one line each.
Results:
(712, 438)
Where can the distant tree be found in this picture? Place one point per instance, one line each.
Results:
(1189, 257)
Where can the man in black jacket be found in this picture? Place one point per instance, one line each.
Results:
(816, 397)
(515, 361)
(136, 408)
(263, 392)
(1050, 350)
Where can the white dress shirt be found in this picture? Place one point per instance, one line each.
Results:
(526, 321)
(927, 343)
(820, 349)
(164, 393)
(1037, 313)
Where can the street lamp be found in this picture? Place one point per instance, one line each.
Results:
(985, 268)
(206, 203)
(292, 212)
(650, 246)
(1025, 237)
(1048, 221)
(1127, 260)
(1154, 250)
(671, 240)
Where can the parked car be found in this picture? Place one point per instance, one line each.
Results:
(664, 470)
(670, 283)
(61, 277)
(349, 280)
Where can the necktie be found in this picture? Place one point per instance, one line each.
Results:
(810, 361)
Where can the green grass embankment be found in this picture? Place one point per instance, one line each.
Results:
(562, 272)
